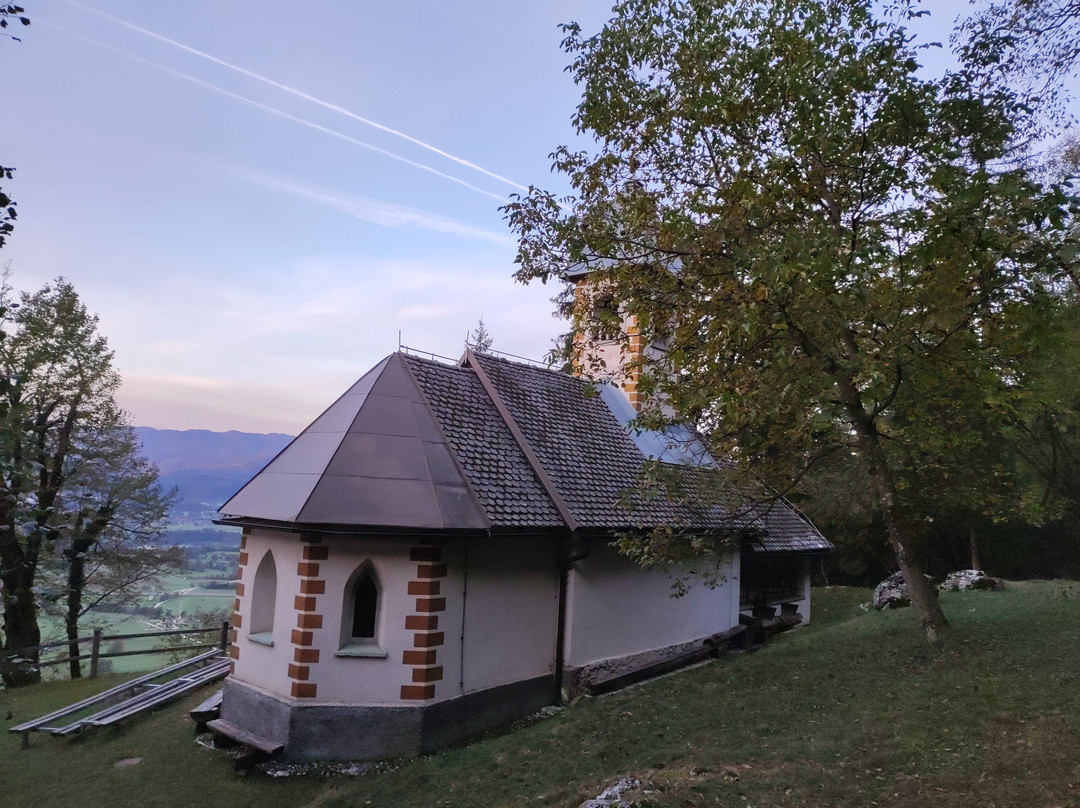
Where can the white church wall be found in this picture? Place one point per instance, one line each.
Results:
(511, 611)
(369, 672)
(328, 665)
(264, 661)
(617, 609)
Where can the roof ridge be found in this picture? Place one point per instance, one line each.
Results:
(530, 365)
(451, 364)
(442, 432)
(527, 450)
(554, 371)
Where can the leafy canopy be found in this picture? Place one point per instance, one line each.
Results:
(808, 223)
(777, 180)
(75, 494)
(1032, 43)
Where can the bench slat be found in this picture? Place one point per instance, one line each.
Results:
(127, 709)
(209, 709)
(146, 699)
(111, 693)
(242, 736)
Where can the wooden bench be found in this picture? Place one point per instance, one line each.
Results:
(142, 687)
(207, 711)
(258, 748)
(165, 692)
(220, 726)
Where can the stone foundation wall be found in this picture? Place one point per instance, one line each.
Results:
(327, 732)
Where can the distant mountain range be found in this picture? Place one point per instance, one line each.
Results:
(206, 467)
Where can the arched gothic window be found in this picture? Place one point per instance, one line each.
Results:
(365, 607)
(263, 601)
(360, 609)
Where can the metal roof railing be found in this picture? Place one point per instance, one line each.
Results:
(489, 352)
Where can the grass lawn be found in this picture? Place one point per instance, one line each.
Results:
(200, 601)
(114, 623)
(853, 711)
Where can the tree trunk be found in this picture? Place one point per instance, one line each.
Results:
(81, 544)
(18, 664)
(20, 607)
(76, 579)
(973, 541)
(923, 593)
(924, 596)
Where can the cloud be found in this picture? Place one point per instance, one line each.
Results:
(386, 214)
(257, 356)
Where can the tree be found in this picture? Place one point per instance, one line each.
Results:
(7, 208)
(1006, 479)
(1034, 43)
(811, 225)
(9, 12)
(480, 340)
(69, 474)
(112, 513)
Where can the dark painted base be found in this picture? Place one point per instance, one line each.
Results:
(449, 722)
(323, 732)
(618, 672)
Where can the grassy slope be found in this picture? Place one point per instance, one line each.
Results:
(854, 710)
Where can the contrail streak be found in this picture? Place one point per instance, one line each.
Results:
(385, 214)
(279, 113)
(301, 94)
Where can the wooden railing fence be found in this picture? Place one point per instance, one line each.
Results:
(99, 637)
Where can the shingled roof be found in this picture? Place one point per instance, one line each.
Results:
(489, 444)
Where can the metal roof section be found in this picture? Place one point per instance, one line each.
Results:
(279, 491)
(375, 458)
(600, 263)
(676, 444)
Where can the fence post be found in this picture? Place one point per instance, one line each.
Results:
(95, 651)
(224, 642)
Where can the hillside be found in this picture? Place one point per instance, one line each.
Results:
(854, 710)
(206, 467)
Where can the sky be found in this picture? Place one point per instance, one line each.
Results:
(257, 197)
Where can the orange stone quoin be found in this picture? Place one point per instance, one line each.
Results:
(637, 349)
(631, 346)
(307, 618)
(419, 657)
(425, 624)
(235, 619)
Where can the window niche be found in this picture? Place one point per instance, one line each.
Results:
(360, 614)
(263, 601)
(769, 581)
(607, 322)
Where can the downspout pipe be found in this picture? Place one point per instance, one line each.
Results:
(574, 549)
